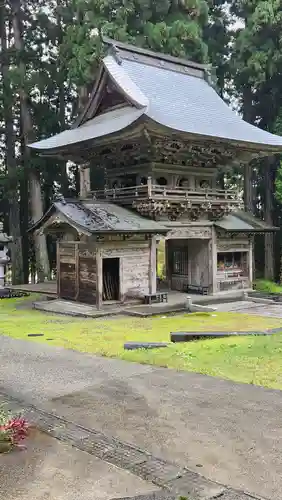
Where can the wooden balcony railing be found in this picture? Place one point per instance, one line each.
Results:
(154, 192)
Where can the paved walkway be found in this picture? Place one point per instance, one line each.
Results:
(228, 432)
(255, 308)
(50, 469)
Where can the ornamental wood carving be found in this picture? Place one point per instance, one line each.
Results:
(201, 233)
(174, 210)
(147, 148)
(232, 245)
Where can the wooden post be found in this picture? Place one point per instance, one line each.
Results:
(251, 263)
(149, 184)
(152, 266)
(58, 269)
(121, 281)
(76, 250)
(167, 263)
(213, 262)
(99, 279)
(84, 181)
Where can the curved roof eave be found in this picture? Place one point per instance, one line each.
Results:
(103, 125)
(246, 145)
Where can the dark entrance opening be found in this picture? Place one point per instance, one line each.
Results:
(111, 279)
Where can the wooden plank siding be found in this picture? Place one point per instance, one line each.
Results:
(66, 270)
(87, 274)
(77, 271)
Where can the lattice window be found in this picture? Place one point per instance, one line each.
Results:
(180, 261)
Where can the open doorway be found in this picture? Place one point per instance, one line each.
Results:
(111, 279)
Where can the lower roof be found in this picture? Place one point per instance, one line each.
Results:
(91, 217)
(244, 222)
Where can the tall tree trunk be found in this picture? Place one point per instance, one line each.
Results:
(62, 103)
(268, 217)
(24, 209)
(11, 162)
(248, 172)
(36, 202)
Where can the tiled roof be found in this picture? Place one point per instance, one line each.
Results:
(105, 124)
(172, 93)
(100, 217)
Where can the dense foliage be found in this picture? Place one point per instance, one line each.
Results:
(49, 54)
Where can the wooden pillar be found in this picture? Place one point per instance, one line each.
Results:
(213, 262)
(84, 181)
(251, 259)
(121, 281)
(167, 263)
(99, 279)
(58, 269)
(76, 246)
(152, 266)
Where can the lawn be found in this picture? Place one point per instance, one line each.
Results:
(255, 360)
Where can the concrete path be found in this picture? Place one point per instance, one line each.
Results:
(249, 307)
(50, 469)
(228, 432)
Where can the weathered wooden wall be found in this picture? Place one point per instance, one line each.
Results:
(76, 271)
(134, 266)
(80, 267)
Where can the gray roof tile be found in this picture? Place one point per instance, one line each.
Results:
(173, 95)
(189, 104)
(109, 123)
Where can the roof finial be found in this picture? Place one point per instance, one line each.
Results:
(60, 198)
(115, 52)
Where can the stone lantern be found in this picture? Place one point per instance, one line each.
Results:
(4, 258)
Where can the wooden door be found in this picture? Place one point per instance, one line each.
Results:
(87, 273)
(66, 270)
(77, 271)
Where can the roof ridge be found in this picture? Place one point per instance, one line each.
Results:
(156, 55)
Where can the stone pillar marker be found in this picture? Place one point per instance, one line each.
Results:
(4, 258)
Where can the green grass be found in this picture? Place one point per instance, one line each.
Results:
(267, 286)
(255, 360)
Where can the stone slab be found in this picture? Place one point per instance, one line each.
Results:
(189, 336)
(75, 309)
(158, 471)
(236, 495)
(158, 495)
(131, 346)
(194, 486)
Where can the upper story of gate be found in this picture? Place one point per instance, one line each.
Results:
(160, 134)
